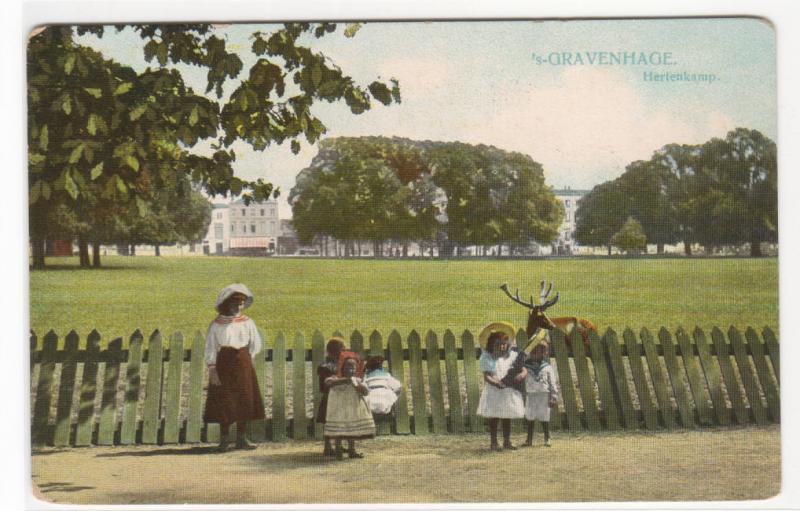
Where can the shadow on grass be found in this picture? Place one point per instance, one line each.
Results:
(163, 452)
(75, 267)
(281, 462)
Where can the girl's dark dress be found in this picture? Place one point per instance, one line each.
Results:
(324, 371)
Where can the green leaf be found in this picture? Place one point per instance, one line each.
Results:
(35, 158)
(351, 29)
(69, 63)
(96, 171)
(70, 186)
(35, 192)
(132, 162)
(138, 111)
(75, 155)
(141, 207)
(316, 74)
(161, 54)
(66, 105)
(123, 88)
(44, 138)
(295, 146)
(194, 116)
(91, 125)
(380, 92)
(121, 186)
(94, 92)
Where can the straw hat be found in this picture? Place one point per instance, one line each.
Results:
(498, 326)
(234, 288)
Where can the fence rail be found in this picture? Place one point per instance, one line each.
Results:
(117, 395)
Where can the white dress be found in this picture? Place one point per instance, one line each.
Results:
(383, 391)
(501, 403)
(540, 390)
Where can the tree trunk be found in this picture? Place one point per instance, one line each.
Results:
(687, 248)
(96, 254)
(133, 250)
(405, 250)
(660, 248)
(755, 249)
(37, 253)
(158, 250)
(609, 249)
(83, 252)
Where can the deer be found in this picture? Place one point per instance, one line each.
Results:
(537, 318)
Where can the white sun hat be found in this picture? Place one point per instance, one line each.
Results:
(234, 288)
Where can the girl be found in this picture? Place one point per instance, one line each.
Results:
(542, 391)
(231, 343)
(348, 417)
(383, 387)
(324, 371)
(499, 402)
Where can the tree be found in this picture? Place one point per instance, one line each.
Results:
(645, 185)
(600, 214)
(99, 131)
(631, 239)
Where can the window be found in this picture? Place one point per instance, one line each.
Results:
(566, 202)
(253, 228)
(244, 228)
(272, 212)
(232, 226)
(218, 231)
(244, 212)
(219, 215)
(262, 211)
(272, 228)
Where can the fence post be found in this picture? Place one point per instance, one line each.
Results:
(675, 376)
(584, 383)
(66, 390)
(711, 371)
(317, 357)
(565, 380)
(108, 410)
(299, 422)
(172, 419)
(774, 351)
(767, 384)
(41, 410)
(197, 366)
(133, 381)
(279, 389)
(152, 398)
(619, 381)
(695, 380)
(417, 384)
(85, 429)
(397, 368)
(597, 349)
(435, 383)
(453, 385)
(649, 412)
(748, 378)
(724, 360)
(659, 380)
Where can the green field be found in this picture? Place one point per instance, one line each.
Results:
(171, 293)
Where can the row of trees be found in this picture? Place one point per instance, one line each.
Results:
(397, 190)
(721, 192)
(110, 148)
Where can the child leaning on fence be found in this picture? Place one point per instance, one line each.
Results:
(498, 402)
(231, 343)
(383, 387)
(542, 391)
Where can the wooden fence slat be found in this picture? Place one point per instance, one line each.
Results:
(83, 435)
(152, 389)
(774, 351)
(357, 343)
(747, 376)
(133, 383)
(597, 349)
(675, 377)
(764, 377)
(649, 412)
(619, 379)
(317, 358)
(257, 429)
(726, 368)
(435, 383)
(453, 385)
(41, 411)
(472, 378)
(658, 378)
(695, 378)
(197, 366)
(396, 367)
(417, 384)
(382, 423)
(108, 409)
(279, 389)
(713, 378)
(66, 390)
(565, 380)
(172, 414)
(299, 419)
(590, 411)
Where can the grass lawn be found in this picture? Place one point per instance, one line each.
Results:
(717, 464)
(172, 293)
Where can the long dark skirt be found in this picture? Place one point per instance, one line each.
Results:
(238, 398)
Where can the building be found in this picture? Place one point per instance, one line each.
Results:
(241, 229)
(565, 243)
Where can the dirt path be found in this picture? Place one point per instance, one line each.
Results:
(720, 464)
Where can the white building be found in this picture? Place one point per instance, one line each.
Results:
(565, 244)
(240, 229)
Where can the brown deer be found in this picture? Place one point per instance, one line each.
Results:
(537, 318)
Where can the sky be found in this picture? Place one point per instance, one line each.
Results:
(549, 89)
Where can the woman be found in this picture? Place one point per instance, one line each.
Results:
(348, 417)
(231, 344)
(498, 402)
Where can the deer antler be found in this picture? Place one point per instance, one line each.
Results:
(516, 298)
(544, 303)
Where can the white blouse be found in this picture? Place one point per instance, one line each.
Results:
(238, 332)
